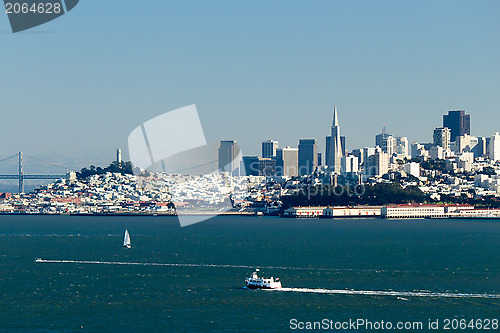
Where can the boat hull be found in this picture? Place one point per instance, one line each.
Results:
(258, 286)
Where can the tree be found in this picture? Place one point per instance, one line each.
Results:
(115, 167)
(488, 171)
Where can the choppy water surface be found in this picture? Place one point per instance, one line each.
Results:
(192, 279)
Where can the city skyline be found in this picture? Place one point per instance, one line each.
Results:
(380, 138)
(272, 145)
(376, 161)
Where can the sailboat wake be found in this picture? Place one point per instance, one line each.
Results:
(387, 293)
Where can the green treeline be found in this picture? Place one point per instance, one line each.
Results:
(115, 167)
(377, 194)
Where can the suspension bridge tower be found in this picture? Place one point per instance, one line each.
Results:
(21, 175)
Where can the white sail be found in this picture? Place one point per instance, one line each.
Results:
(126, 239)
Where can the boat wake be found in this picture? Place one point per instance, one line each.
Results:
(324, 269)
(398, 294)
(39, 260)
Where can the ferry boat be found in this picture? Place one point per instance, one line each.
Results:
(256, 282)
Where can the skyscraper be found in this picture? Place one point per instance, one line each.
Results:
(334, 146)
(229, 159)
(267, 166)
(379, 138)
(269, 148)
(442, 137)
(250, 165)
(376, 164)
(359, 153)
(287, 161)
(387, 142)
(458, 122)
(308, 156)
(481, 148)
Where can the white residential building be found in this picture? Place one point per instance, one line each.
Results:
(413, 169)
(465, 160)
(437, 152)
(402, 148)
(494, 148)
(465, 143)
(350, 164)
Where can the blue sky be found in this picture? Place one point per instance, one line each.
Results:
(256, 70)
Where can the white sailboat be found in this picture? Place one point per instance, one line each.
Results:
(126, 240)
